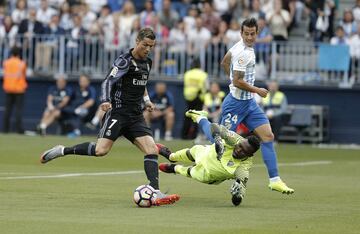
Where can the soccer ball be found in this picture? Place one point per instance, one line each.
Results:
(143, 195)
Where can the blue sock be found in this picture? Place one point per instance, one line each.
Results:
(269, 157)
(206, 129)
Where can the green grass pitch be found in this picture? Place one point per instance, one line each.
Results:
(326, 199)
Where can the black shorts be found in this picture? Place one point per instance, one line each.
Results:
(116, 124)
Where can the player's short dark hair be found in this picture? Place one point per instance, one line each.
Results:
(146, 33)
(250, 23)
(15, 51)
(254, 141)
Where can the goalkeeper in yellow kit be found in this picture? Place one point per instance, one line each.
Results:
(230, 157)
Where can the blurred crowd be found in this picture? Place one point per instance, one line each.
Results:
(182, 24)
(184, 28)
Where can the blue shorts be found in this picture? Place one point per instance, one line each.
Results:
(236, 111)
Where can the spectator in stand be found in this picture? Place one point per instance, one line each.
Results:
(256, 12)
(115, 5)
(198, 39)
(14, 85)
(237, 7)
(44, 14)
(218, 46)
(181, 7)
(162, 34)
(212, 102)
(312, 9)
(115, 38)
(95, 5)
(348, 23)
(321, 27)
(164, 110)
(8, 31)
(2, 14)
(267, 6)
(167, 16)
(58, 97)
(45, 48)
(73, 44)
(177, 38)
(88, 17)
(127, 17)
(195, 85)
(221, 6)
(232, 35)
(354, 43)
(356, 11)
(55, 3)
(275, 106)
(211, 19)
(340, 37)
(105, 19)
(20, 13)
(146, 16)
(34, 4)
(28, 29)
(263, 45)
(82, 106)
(136, 27)
(290, 6)
(190, 19)
(65, 17)
(278, 21)
(30, 26)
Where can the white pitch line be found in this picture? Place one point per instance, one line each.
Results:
(297, 164)
(71, 175)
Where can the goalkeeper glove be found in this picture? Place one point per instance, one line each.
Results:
(219, 146)
(237, 191)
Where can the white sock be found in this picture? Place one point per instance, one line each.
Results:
(168, 133)
(43, 126)
(95, 121)
(275, 179)
(199, 118)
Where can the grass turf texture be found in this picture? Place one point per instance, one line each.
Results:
(326, 198)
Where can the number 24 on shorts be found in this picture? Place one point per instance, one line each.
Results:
(230, 120)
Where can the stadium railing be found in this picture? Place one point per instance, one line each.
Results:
(291, 62)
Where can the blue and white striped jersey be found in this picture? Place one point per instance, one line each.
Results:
(242, 59)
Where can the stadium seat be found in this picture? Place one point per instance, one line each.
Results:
(301, 119)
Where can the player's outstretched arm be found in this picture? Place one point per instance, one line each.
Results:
(219, 144)
(238, 188)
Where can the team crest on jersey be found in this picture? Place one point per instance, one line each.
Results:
(230, 163)
(108, 132)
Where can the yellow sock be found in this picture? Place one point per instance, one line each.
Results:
(179, 169)
(180, 156)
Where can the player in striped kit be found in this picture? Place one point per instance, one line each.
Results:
(239, 105)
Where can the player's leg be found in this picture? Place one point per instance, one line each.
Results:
(147, 145)
(196, 172)
(200, 117)
(140, 135)
(169, 123)
(107, 135)
(48, 118)
(258, 122)
(270, 159)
